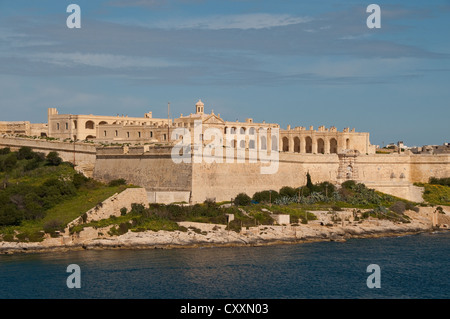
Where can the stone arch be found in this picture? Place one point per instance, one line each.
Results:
(90, 125)
(320, 146)
(90, 137)
(242, 144)
(103, 123)
(252, 131)
(242, 130)
(274, 143)
(75, 124)
(263, 142)
(333, 146)
(347, 143)
(285, 142)
(296, 144)
(308, 142)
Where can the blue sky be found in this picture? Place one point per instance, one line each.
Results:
(293, 62)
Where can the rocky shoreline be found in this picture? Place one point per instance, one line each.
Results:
(212, 235)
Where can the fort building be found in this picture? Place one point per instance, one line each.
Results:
(148, 130)
(138, 149)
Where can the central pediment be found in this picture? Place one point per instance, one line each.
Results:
(213, 119)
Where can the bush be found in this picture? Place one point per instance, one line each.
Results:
(398, 207)
(123, 211)
(445, 181)
(10, 215)
(31, 165)
(348, 184)
(53, 159)
(138, 209)
(5, 151)
(117, 182)
(288, 191)
(266, 196)
(25, 152)
(242, 199)
(52, 226)
(79, 180)
(9, 162)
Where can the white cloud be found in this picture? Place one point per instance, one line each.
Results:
(238, 21)
(109, 61)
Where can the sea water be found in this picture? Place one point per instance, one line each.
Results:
(415, 266)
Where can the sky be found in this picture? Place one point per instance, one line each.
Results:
(291, 62)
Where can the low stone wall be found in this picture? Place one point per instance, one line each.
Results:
(168, 197)
(112, 205)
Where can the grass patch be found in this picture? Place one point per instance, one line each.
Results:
(436, 194)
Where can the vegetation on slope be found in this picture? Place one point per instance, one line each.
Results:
(41, 194)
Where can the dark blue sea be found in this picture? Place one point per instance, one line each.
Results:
(415, 266)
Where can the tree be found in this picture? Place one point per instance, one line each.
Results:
(309, 183)
(266, 196)
(242, 199)
(9, 162)
(53, 158)
(25, 152)
(288, 191)
(10, 215)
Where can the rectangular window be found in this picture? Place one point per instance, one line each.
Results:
(128, 134)
(139, 134)
(116, 133)
(104, 133)
(57, 126)
(67, 126)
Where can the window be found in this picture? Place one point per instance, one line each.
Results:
(104, 133)
(57, 126)
(116, 133)
(67, 126)
(139, 134)
(89, 125)
(128, 134)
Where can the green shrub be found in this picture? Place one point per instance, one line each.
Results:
(288, 191)
(266, 196)
(52, 226)
(25, 152)
(5, 151)
(123, 211)
(53, 159)
(10, 215)
(79, 180)
(117, 182)
(398, 207)
(242, 199)
(445, 181)
(9, 163)
(350, 184)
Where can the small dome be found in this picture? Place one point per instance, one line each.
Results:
(199, 103)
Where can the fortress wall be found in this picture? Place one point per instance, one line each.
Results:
(223, 181)
(390, 167)
(153, 170)
(424, 166)
(383, 167)
(84, 153)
